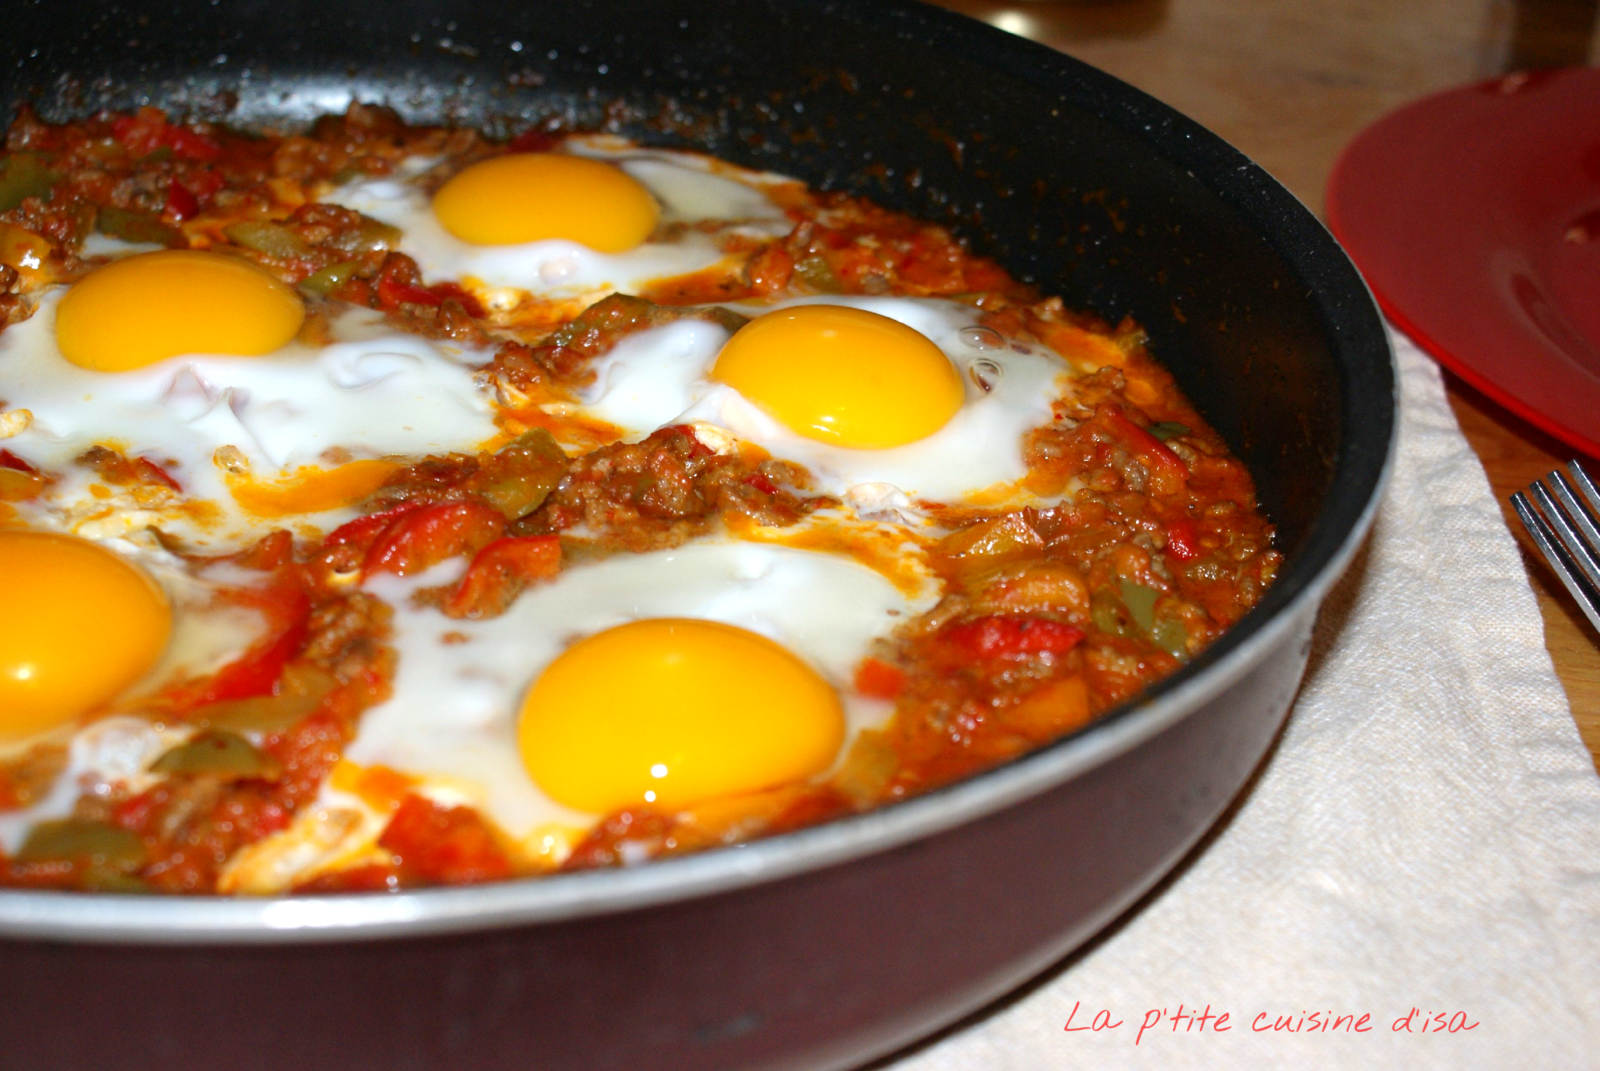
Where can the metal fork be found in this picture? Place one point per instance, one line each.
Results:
(1567, 530)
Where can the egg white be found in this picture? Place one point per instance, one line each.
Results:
(113, 750)
(663, 376)
(372, 392)
(684, 184)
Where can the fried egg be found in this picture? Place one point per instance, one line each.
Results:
(570, 224)
(212, 385)
(929, 405)
(89, 630)
(665, 678)
(80, 626)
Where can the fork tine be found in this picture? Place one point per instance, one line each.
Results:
(1585, 484)
(1583, 553)
(1588, 598)
(1582, 512)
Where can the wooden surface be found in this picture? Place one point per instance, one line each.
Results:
(1290, 82)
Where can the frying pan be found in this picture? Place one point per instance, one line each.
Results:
(830, 946)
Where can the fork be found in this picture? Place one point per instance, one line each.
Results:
(1567, 530)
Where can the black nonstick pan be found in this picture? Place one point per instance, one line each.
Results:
(830, 946)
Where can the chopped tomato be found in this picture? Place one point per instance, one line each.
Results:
(369, 877)
(448, 845)
(1183, 540)
(878, 679)
(431, 534)
(148, 130)
(1013, 637)
(8, 460)
(501, 570)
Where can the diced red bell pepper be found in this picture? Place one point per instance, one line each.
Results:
(770, 270)
(8, 460)
(500, 570)
(448, 845)
(400, 283)
(256, 672)
(761, 483)
(431, 534)
(392, 294)
(461, 295)
(532, 141)
(696, 447)
(1012, 637)
(878, 679)
(1183, 540)
(149, 472)
(271, 551)
(181, 203)
(363, 530)
(1155, 454)
(134, 813)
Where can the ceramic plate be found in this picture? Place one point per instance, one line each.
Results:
(1475, 216)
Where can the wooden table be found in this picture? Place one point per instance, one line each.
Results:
(1290, 82)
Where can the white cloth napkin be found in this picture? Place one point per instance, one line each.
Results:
(1426, 835)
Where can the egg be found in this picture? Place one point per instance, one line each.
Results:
(666, 678)
(89, 632)
(250, 436)
(934, 408)
(148, 307)
(842, 376)
(572, 224)
(674, 712)
(533, 197)
(80, 625)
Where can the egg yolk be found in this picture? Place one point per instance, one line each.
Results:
(312, 490)
(532, 197)
(842, 376)
(149, 307)
(672, 712)
(79, 626)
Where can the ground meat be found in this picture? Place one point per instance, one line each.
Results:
(668, 489)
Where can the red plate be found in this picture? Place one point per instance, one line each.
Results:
(1475, 216)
